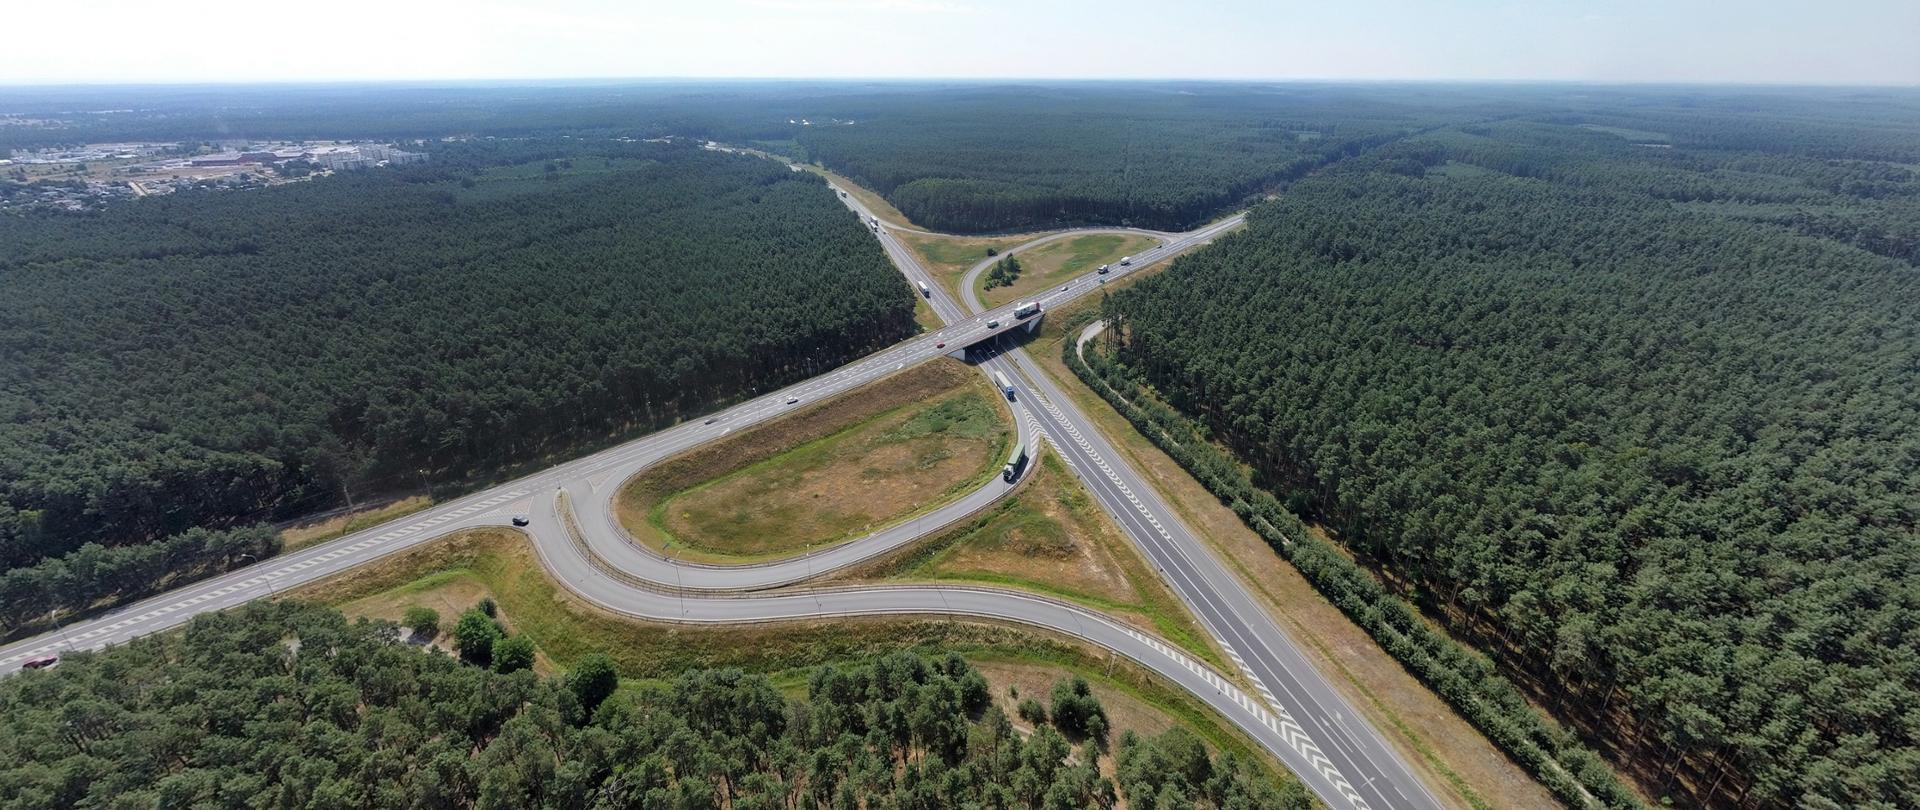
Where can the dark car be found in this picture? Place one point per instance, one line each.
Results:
(41, 663)
(711, 420)
(521, 520)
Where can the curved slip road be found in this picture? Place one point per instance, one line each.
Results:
(591, 557)
(971, 294)
(601, 530)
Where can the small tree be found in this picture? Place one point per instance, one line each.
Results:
(512, 654)
(592, 681)
(1031, 711)
(974, 694)
(488, 607)
(474, 635)
(1076, 711)
(423, 621)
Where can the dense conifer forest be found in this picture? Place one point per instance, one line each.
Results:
(217, 359)
(1630, 400)
(1009, 158)
(284, 705)
(1616, 384)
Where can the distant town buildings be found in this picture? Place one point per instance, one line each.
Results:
(76, 178)
(333, 157)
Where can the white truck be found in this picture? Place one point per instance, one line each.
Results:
(1126, 260)
(1027, 310)
(925, 291)
(1006, 385)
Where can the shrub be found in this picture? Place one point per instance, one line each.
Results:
(1031, 711)
(423, 621)
(512, 654)
(474, 636)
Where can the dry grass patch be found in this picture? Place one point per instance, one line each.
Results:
(306, 534)
(841, 486)
(1053, 532)
(1051, 538)
(923, 313)
(872, 456)
(947, 258)
(1057, 262)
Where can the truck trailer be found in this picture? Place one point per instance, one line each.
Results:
(1016, 464)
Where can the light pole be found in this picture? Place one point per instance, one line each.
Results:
(265, 578)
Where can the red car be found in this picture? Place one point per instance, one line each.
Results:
(940, 345)
(41, 663)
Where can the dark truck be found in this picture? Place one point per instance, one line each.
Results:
(1016, 464)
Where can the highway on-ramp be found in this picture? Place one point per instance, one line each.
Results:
(1304, 724)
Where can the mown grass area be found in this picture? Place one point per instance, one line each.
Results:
(453, 573)
(1051, 538)
(923, 313)
(872, 473)
(1055, 263)
(881, 453)
(306, 534)
(947, 258)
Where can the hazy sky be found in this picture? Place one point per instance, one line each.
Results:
(1790, 41)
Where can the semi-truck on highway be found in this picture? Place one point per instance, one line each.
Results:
(1016, 464)
(925, 291)
(1027, 310)
(1006, 385)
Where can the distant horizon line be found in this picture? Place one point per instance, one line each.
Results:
(661, 80)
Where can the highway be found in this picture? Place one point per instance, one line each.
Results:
(1294, 714)
(1329, 738)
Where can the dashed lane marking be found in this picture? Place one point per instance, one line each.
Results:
(1274, 715)
(65, 641)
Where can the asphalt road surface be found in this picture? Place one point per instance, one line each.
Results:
(1292, 711)
(1332, 748)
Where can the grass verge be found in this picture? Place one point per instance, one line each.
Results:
(301, 535)
(807, 440)
(867, 475)
(1051, 539)
(1056, 262)
(452, 573)
(947, 258)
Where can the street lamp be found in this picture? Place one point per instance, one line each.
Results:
(267, 579)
